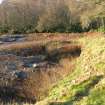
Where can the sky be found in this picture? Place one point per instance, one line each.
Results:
(1, 1)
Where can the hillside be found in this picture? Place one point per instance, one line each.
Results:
(86, 84)
(24, 16)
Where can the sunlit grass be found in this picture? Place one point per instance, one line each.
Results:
(83, 86)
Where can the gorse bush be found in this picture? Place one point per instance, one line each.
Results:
(25, 16)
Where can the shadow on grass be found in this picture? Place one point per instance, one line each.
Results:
(81, 90)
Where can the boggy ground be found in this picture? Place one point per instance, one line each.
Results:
(34, 63)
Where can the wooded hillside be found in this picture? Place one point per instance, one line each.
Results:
(25, 16)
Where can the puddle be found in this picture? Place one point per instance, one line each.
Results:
(12, 38)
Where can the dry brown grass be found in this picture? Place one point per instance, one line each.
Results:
(62, 49)
(34, 40)
(36, 43)
(53, 36)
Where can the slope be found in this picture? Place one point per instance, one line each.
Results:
(86, 85)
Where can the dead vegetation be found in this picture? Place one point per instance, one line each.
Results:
(32, 83)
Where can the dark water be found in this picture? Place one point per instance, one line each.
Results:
(12, 38)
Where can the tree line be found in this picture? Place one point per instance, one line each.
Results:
(26, 16)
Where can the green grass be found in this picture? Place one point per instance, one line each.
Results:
(97, 97)
(78, 92)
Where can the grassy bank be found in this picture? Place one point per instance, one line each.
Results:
(86, 85)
